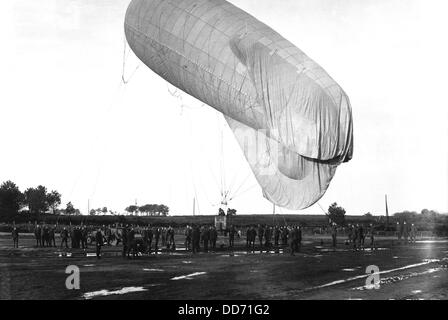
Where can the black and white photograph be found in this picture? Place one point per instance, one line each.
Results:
(223, 150)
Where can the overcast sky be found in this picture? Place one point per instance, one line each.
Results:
(68, 123)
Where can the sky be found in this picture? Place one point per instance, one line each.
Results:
(68, 122)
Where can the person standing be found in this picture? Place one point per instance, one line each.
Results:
(84, 235)
(131, 244)
(15, 237)
(150, 238)
(334, 234)
(156, 239)
(293, 240)
(188, 238)
(38, 235)
(145, 237)
(213, 237)
(253, 237)
(53, 236)
(196, 237)
(276, 235)
(247, 237)
(260, 236)
(99, 242)
(205, 236)
(64, 237)
(232, 236)
(405, 232)
(44, 236)
(284, 235)
(171, 243)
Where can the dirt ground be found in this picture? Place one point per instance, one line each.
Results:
(407, 271)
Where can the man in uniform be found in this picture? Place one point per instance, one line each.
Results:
(84, 235)
(38, 235)
(334, 234)
(405, 232)
(15, 237)
(205, 237)
(44, 236)
(284, 234)
(171, 243)
(156, 239)
(188, 232)
(232, 232)
(260, 236)
(99, 242)
(64, 237)
(150, 237)
(196, 237)
(293, 240)
(252, 238)
(131, 244)
(213, 237)
(276, 235)
(108, 234)
(267, 237)
(51, 236)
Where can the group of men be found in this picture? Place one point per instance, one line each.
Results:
(198, 237)
(357, 235)
(205, 235)
(266, 233)
(45, 236)
(407, 232)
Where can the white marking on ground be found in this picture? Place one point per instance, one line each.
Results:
(104, 292)
(425, 262)
(348, 269)
(416, 291)
(88, 265)
(156, 270)
(402, 277)
(186, 262)
(188, 276)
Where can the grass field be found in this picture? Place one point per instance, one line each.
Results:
(408, 271)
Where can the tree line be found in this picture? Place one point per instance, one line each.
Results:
(148, 210)
(35, 201)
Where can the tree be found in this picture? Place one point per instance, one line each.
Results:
(231, 212)
(336, 214)
(70, 209)
(11, 199)
(92, 212)
(53, 200)
(163, 210)
(148, 209)
(104, 210)
(36, 199)
(132, 209)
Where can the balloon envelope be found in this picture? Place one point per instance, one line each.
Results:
(291, 119)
